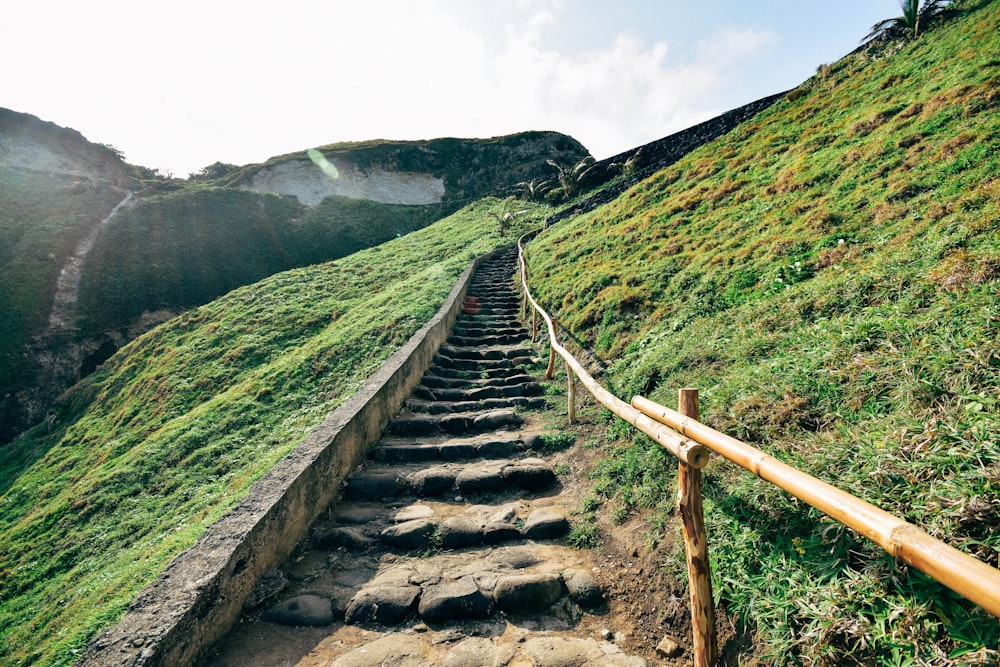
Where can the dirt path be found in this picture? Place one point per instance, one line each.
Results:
(62, 317)
(449, 547)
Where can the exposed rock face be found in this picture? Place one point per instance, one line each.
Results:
(311, 185)
(413, 172)
(29, 143)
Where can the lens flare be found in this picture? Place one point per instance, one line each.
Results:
(325, 165)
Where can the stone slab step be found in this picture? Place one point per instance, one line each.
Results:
(381, 482)
(420, 527)
(490, 476)
(513, 580)
(431, 381)
(418, 424)
(488, 338)
(489, 446)
(472, 374)
(482, 393)
(484, 352)
(445, 407)
(478, 365)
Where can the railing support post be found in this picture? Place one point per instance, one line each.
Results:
(534, 325)
(552, 351)
(689, 501)
(571, 394)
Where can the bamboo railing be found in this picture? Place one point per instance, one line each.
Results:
(683, 435)
(683, 448)
(967, 576)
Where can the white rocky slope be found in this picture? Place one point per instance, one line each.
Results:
(311, 184)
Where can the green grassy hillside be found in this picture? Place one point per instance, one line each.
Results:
(180, 244)
(172, 430)
(186, 248)
(828, 275)
(42, 219)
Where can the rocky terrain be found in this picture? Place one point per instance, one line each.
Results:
(449, 546)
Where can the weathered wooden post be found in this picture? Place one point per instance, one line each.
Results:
(689, 501)
(571, 393)
(552, 351)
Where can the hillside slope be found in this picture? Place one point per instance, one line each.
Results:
(172, 430)
(55, 188)
(828, 275)
(82, 276)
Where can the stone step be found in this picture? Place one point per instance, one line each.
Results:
(486, 319)
(484, 352)
(472, 374)
(382, 482)
(421, 424)
(431, 381)
(489, 339)
(444, 407)
(480, 365)
(483, 393)
(476, 583)
(487, 446)
(482, 332)
(493, 302)
(463, 531)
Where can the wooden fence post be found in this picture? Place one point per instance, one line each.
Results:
(571, 394)
(689, 501)
(552, 351)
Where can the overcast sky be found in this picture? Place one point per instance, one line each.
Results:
(181, 84)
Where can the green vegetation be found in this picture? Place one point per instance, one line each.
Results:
(555, 442)
(42, 219)
(916, 17)
(828, 275)
(182, 243)
(185, 248)
(172, 430)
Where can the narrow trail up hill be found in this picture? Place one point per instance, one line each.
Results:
(64, 303)
(448, 546)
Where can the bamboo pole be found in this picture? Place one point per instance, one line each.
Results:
(552, 348)
(571, 394)
(683, 448)
(689, 502)
(967, 576)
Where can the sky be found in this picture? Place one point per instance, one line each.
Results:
(179, 85)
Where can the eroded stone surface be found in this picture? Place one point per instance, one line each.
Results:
(301, 610)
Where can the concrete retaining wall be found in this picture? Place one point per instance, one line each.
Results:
(200, 595)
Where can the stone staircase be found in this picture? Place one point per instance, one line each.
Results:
(448, 546)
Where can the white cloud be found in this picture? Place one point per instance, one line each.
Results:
(731, 44)
(184, 85)
(624, 94)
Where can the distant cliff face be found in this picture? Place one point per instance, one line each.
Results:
(31, 144)
(412, 173)
(89, 258)
(310, 184)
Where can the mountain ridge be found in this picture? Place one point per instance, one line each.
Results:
(171, 248)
